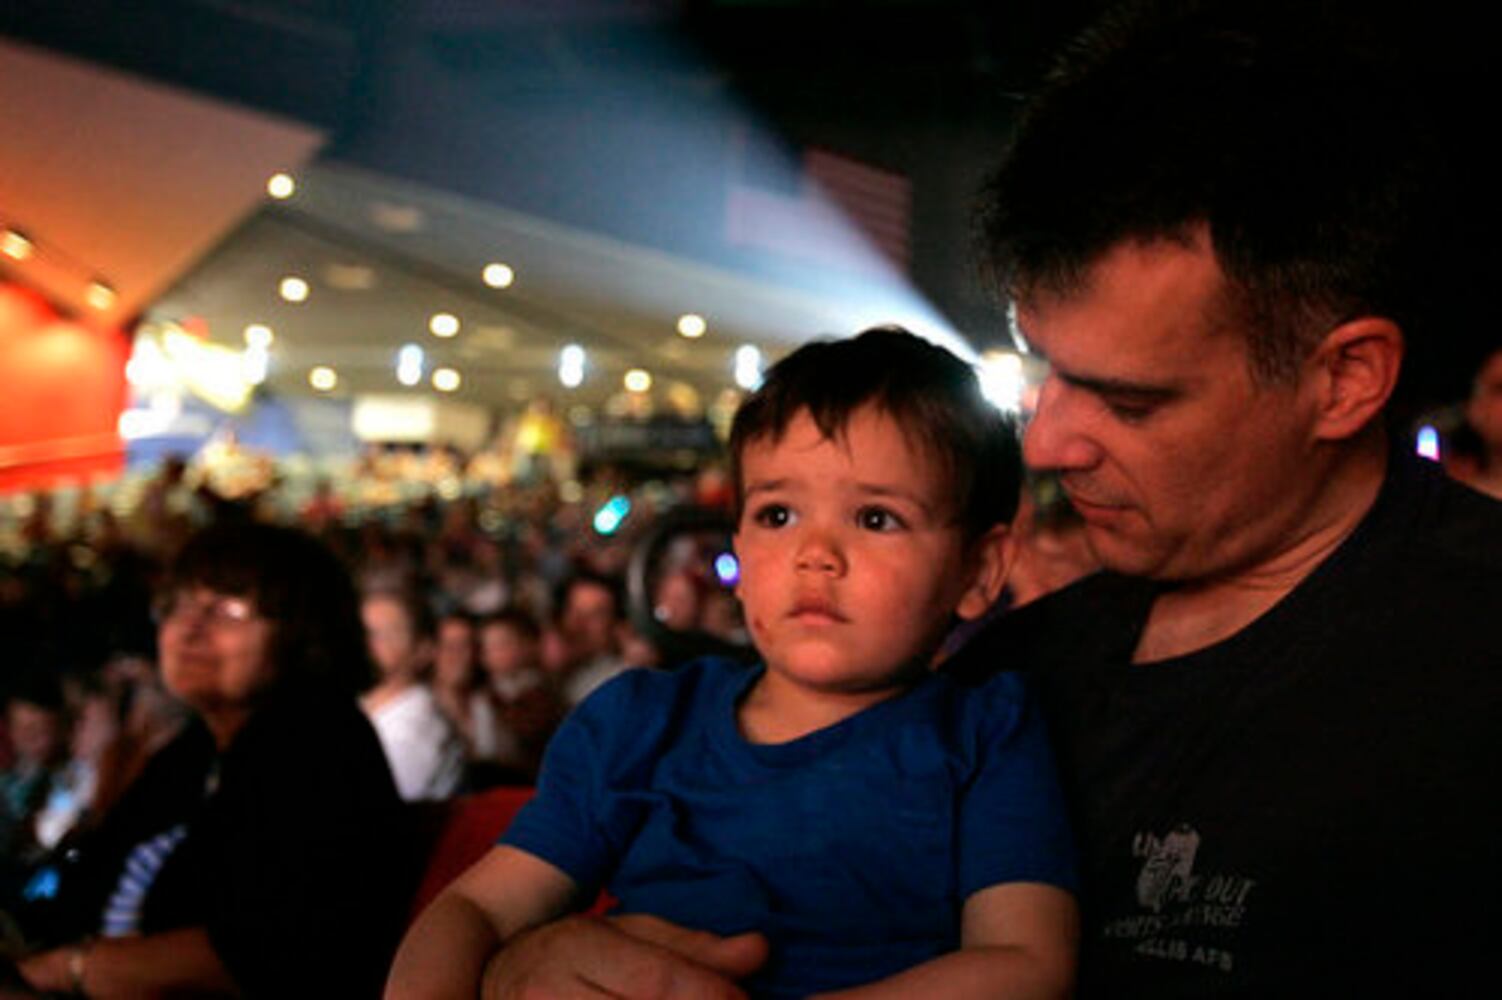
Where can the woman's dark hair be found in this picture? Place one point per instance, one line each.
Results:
(318, 640)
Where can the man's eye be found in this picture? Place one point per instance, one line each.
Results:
(878, 519)
(773, 515)
(1130, 412)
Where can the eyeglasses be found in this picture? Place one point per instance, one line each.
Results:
(206, 606)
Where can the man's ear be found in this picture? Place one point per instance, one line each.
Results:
(990, 560)
(1356, 368)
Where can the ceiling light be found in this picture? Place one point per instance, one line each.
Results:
(409, 364)
(692, 325)
(15, 244)
(748, 366)
(1001, 379)
(446, 379)
(99, 295)
(281, 186)
(293, 289)
(637, 380)
(323, 378)
(258, 335)
(498, 275)
(571, 365)
(444, 324)
(253, 364)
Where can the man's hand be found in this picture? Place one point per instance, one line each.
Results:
(634, 957)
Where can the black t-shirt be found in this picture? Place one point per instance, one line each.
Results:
(1309, 805)
(297, 855)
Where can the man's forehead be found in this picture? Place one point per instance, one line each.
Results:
(1134, 309)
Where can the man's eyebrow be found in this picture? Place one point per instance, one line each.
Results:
(1121, 388)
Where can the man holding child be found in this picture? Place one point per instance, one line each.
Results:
(1275, 713)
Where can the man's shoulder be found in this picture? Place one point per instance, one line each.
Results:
(1436, 550)
(1458, 524)
(1084, 622)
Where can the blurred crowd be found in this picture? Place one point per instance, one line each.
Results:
(487, 617)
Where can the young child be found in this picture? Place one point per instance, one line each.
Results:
(879, 823)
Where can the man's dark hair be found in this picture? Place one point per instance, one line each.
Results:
(933, 396)
(456, 615)
(516, 619)
(295, 582)
(1282, 130)
(588, 578)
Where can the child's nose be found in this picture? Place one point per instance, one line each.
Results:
(818, 553)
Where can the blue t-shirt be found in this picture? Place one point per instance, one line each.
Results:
(852, 848)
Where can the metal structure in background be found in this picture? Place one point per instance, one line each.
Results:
(644, 570)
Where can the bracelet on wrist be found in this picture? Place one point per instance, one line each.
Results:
(78, 957)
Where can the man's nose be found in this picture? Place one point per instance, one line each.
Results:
(1057, 435)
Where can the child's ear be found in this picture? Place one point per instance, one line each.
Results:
(990, 561)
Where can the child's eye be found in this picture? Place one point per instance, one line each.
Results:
(773, 515)
(878, 519)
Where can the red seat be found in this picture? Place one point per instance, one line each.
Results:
(466, 827)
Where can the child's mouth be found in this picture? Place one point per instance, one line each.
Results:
(813, 612)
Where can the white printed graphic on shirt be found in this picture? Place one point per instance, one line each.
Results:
(1183, 911)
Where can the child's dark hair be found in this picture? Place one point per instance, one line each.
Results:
(933, 396)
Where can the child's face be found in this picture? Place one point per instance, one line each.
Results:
(852, 562)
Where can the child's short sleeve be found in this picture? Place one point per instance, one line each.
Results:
(1013, 825)
(561, 824)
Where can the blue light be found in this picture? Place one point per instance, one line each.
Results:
(1428, 443)
(43, 885)
(727, 569)
(610, 515)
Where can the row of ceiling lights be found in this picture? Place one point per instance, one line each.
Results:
(15, 244)
(295, 289)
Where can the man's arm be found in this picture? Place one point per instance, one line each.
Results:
(504, 893)
(633, 957)
(1018, 941)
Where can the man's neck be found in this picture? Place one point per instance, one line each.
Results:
(1199, 614)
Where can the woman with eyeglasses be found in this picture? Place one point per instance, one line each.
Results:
(262, 851)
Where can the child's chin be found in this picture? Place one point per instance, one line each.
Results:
(837, 677)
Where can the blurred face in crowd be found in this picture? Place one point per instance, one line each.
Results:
(588, 622)
(215, 650)
(677, 602)
(36, 732)
(1181, 465)
(395, 646)
(454, 655)
(1484, 411)
(506, 649)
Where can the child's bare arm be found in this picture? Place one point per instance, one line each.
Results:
(502, 894)
(1019, 941)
